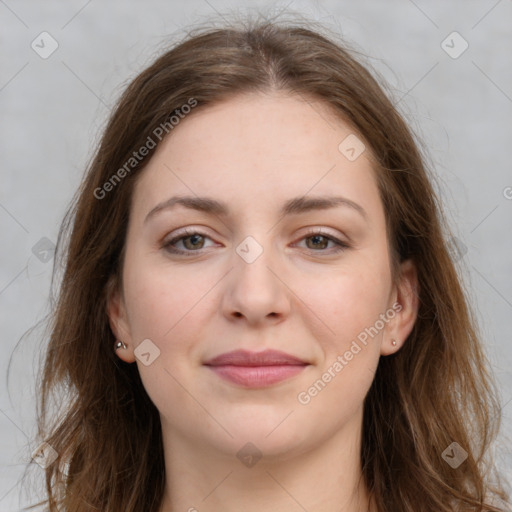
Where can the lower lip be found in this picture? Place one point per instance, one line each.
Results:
(257, 376)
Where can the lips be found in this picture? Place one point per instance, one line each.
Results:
(246, 358)
(256, 369)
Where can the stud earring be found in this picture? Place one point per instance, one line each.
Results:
(120, 344)
(393, 342)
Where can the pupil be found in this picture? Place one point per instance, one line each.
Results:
(317, 238)
(194, 239)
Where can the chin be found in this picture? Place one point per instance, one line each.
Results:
(273, 439)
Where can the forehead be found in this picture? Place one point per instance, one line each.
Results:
(258, 150)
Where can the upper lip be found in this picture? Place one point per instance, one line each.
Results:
(247, 358)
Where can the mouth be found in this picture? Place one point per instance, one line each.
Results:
(256, 369)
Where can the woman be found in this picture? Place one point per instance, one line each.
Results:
(258, 308)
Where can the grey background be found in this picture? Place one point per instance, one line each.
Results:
(53, 110)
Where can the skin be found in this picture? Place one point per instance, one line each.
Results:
(254, 152)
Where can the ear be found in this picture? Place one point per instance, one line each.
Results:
(405, 303)
(118, 320)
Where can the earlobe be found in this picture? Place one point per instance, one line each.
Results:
(407, 297)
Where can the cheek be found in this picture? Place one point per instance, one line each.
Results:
(163, 306)
(157, 299)
(350, 306)
(348, 301)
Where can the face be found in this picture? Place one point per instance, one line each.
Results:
(311, 282)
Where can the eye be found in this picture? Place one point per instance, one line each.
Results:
(192, 240)
(320, 240)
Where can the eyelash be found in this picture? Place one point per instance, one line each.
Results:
(341, 246)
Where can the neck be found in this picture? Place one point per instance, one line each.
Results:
(324, 478)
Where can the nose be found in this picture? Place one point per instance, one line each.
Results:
(256, 290)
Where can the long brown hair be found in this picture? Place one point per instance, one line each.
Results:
(435, 391)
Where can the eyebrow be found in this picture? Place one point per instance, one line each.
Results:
(293, 206)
